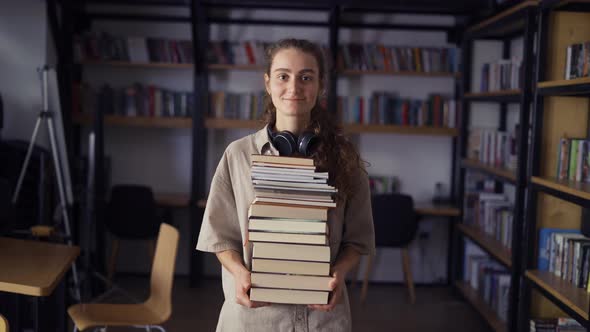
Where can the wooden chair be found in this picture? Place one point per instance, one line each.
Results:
(395, 224)
(154, 311)
(3, 324)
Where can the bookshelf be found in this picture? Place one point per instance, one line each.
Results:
(201, 124)
(480, 306)
(503, 26)
(560, 110)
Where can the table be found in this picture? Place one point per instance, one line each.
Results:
(33, 268)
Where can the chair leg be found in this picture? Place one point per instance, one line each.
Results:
(370, 259)
(408, 274)
(113, 260)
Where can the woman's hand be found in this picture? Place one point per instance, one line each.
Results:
(232, 261)
(336, 285)
(243, 284)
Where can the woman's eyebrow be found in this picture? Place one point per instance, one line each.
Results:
(307, 70)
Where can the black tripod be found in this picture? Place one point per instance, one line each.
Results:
(61, 171)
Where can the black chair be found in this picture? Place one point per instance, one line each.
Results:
(131, 214)
(396, 224)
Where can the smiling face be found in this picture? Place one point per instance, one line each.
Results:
(293, 83)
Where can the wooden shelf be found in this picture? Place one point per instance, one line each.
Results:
(138, 64)
(501, 173)
(178, 200)
(395, 129)
(504, 23)
(355, 72)
(505, 95)
(488, 243)
(436, 210)
(236, 67)
(573, 87)
(233, 124)
(169, 65)
(563, 188)
(479, 304)
(136, 121)
(565, 293)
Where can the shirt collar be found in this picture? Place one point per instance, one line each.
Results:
(263, 145)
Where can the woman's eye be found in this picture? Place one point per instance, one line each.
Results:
(282, 77)
(306, 78)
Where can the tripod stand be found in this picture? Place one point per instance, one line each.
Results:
(65, 197)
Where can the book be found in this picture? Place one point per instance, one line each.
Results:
(282, 160)
(298, 252)
(289, 296)
(285, 188)
(292, 184)
(291, 267)
(288, 238)
(288, 281)
(287, 178)
(288, 225)
(287, 211)
(271, 165)
(294, 201)
(299, 195)
(288, 170)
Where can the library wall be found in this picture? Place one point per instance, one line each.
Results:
(23, 32)
(161, 157)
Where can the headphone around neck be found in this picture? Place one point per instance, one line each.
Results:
(287, 143)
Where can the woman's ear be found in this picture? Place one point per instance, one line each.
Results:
(267, 83)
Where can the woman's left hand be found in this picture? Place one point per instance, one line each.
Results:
(336, 284)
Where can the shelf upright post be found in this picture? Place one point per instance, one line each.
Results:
(332, 70)
(200, 39)
(533, 167)
(521, 170)
(460, 152)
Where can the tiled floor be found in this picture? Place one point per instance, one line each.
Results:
(386, 309)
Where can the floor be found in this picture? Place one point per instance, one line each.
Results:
(386, 308)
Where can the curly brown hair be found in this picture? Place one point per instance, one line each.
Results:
(334, 153)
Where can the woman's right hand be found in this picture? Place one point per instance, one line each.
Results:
(243, 285)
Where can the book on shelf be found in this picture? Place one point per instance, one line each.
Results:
(133, 101)
(103, 46)
(386, 108)
(561, 324)
(566, 254)
(380, 57)
(492, 147)
(501, 75)
(235, 105)
(488, 278)
(288, 296)
(577, 61)
(290, 267)
(573, 161)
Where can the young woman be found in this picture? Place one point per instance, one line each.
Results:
(295, 82)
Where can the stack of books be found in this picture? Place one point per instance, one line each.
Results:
(288, 229)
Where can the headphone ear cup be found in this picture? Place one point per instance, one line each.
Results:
(306, 143)
(285, 142)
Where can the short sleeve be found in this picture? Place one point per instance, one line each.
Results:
(220, 229)
(358, 217)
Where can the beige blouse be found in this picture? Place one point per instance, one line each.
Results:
(225, 226)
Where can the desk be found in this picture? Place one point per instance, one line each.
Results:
(33, 268)
(431, 210)
(426, 209)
